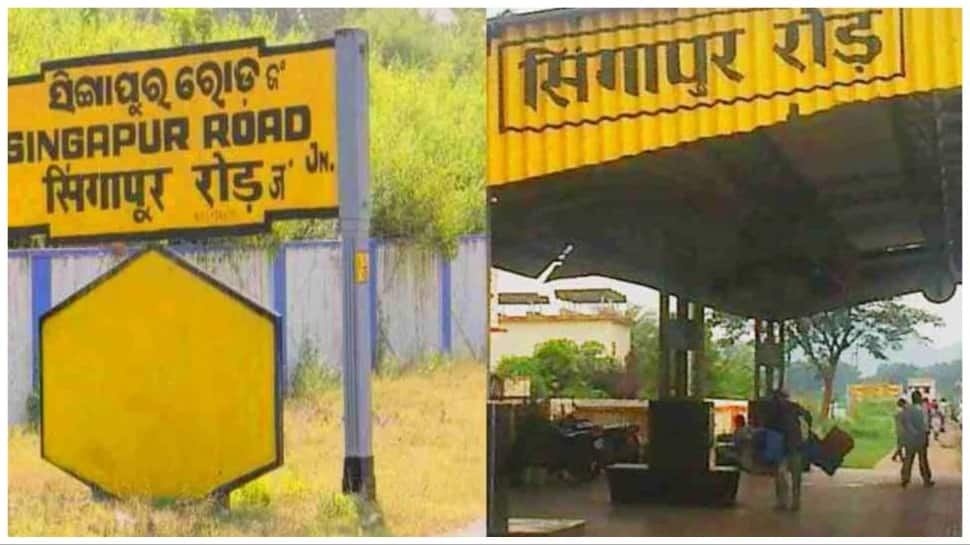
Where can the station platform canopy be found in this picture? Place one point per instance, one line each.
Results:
(768, 162)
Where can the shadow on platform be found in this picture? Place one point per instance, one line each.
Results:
(854, 502)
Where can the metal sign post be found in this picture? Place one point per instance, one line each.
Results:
(353, 173)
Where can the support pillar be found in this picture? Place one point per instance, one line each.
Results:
(681, 371)
(699, 363)
(769, 365)
(353, 175)
(663, 362)
(499, 438)
(770, 369)
(781, 346)
(757, 366)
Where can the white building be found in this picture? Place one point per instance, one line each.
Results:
(926, 387)
(519, 322)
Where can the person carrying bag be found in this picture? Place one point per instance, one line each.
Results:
(785, 418)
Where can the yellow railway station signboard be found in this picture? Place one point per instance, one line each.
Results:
(575, 88)
(172, 392)
(215, 138)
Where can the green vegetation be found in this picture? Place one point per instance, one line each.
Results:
(823, 339)
(801, 378)
(427, 113)
(870, 425)
(948, 376)
(33, 409)
(729, 363)
(427, 414)
(644, 344)
(426, 85)
(312, 375)
(560, 367)
(585, 371)
(876, 327)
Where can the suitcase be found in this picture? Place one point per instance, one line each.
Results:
(828, 453)
(837, 444)
(812, 450)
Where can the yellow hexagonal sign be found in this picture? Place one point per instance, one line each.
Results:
(159, 381)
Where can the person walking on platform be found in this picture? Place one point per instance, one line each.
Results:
(915, 441)
(927, 411)
(784, 417)
(898, 421)
(945, 414)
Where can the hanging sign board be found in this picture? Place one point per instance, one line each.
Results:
(574, 88)
(208, 139)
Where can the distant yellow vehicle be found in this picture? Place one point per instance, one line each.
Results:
(862, 392)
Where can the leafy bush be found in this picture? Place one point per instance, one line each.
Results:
(430, 363)
(33, 409)
(311, 375)
(434, 362)
(526, 367)
(390, 366)
(560, 367)
(252, 494)
(339, 514)
(871, 427)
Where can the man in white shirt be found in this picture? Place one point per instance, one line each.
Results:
(915, 438)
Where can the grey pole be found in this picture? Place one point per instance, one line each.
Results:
(699, 369)
(681, 372)
(757, 365)
(353, 173)
(784, 354)
(663, 370)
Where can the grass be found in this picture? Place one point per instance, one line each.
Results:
(429, 450)
(871, 426)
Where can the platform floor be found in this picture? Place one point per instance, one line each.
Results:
(851, 503)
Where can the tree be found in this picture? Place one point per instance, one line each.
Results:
(801, 378)
(729, 363)
(946, 374)
(730, 368)
(876, 327)
(895, 373)
(427, 113)
(562, 367)
(644, 344)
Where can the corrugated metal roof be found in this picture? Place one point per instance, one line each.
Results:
(575, 88)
